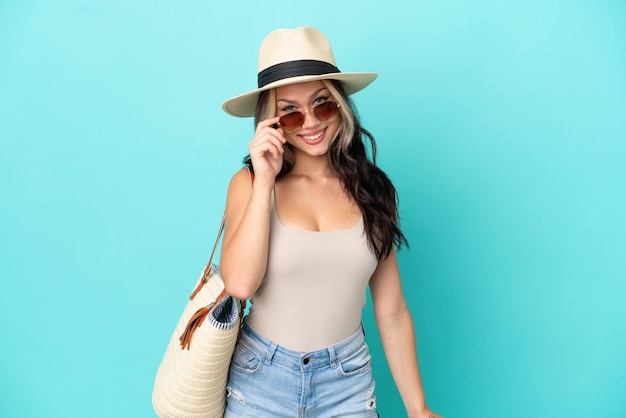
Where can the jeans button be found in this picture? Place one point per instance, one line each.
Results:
(305, 361)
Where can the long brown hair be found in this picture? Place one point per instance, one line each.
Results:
(367, 184)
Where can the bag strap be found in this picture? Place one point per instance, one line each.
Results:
(207, 270)
(200, 315)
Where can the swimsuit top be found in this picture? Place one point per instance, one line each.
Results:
(314, 288)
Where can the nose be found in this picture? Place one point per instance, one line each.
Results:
(310, 120)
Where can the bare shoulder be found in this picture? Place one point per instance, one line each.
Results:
(239, 191)
(240, 182)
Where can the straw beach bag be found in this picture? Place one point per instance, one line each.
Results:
(191, 379)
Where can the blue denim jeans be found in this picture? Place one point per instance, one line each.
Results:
(269, 381)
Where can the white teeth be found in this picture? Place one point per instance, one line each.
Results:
(314, 137)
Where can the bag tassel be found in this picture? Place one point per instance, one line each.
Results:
(196, 321)
(198, 318)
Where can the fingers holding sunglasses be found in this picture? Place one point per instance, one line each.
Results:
(266, 150)
(273, 123)
(268, 131)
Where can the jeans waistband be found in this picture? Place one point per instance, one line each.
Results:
(271, 352)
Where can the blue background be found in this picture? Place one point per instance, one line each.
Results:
(503, 125)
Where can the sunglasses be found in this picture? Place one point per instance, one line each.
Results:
(295, 120)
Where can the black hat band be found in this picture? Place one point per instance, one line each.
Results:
(294, 69)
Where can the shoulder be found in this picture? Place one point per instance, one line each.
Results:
(241, 181)
(239, 189)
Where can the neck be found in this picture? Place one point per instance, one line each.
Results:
(308, 165)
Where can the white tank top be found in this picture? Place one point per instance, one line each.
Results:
(313, 292)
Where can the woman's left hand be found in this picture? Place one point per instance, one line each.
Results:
(427, 413)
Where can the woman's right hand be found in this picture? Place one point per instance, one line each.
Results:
(266, 150)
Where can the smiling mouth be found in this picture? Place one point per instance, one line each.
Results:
(313, 138)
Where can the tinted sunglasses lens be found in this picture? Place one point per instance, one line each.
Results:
(291, 121)
(325, 111)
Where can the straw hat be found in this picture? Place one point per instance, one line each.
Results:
(290, 56)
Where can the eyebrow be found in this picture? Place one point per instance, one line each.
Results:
(315, 93)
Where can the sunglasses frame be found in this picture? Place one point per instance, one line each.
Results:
(303, 114)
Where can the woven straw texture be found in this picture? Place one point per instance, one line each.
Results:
(192, 383)
(288, 45)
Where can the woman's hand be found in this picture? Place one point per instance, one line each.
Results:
(266, 150)
(426, 413)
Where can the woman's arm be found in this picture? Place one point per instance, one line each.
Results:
(395, 326)
(247, 217)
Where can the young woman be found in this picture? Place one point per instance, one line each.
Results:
(305, 238)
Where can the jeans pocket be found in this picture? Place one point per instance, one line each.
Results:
(357, 363)
(245, 360)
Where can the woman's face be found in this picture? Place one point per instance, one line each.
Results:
(314, 137)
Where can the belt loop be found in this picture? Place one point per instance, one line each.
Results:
(332, 356)
(269, 354)
(363, 329)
